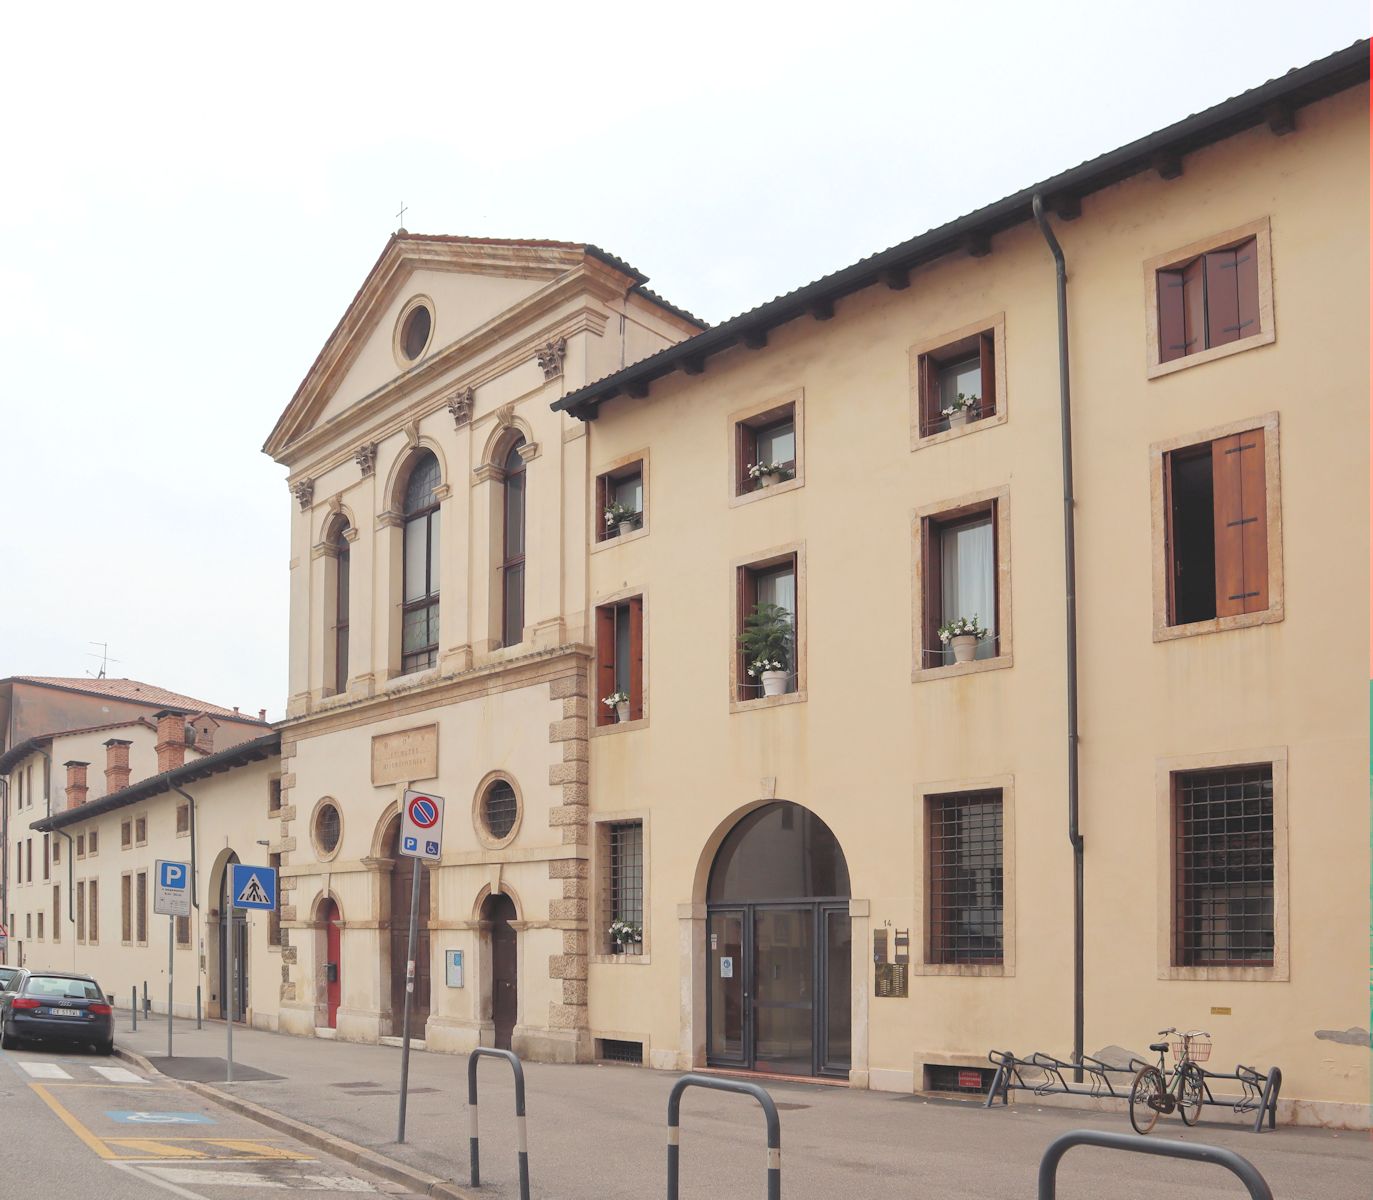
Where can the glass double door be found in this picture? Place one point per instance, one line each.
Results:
(779, 989)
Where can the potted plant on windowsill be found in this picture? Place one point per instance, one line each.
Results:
(962, 410)
(618, 703)
(963, 634)
(624, 934)
(620, 517)
(766, 643)
(766, 474)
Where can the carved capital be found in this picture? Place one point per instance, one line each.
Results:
(460, 405)
(551, 358)
(304, 492)
(366, 458)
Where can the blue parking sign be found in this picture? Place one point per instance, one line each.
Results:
(172, 893)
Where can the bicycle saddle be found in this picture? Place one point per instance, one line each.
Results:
(1160, 1047)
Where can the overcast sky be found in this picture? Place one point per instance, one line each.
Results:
(193, 194)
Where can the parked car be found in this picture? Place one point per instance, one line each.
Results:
(53, 1006)
(7, 976)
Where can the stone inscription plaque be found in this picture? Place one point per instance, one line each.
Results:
(405, 756)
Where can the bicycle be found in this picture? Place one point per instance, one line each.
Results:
(1184, 1091)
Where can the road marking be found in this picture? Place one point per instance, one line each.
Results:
(141, 1117)
(151, 1149)
(44, 1070)
(118, 1074)
(72, 1123)
(165, 1184)
(296, 1183)
(256, 1149)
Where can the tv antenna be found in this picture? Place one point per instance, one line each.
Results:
(103, 656)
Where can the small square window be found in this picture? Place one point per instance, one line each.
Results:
(125, 834)
(183, 818)
(957, 383)
(274, 795)
(766, 449)
(620, 502)
(93, 842)
(140, 831)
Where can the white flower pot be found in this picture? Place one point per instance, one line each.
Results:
(622, 711)
(768, 478)
(964, 647)
(957, 420)
(626, 528)
(774, 683)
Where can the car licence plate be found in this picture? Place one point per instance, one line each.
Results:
(64, 1012)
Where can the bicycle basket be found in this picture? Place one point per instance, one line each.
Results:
(1197, 1049)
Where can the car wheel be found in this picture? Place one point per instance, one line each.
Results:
(105, 1048)
(7, 1040)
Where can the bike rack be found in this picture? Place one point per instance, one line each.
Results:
(521, 1135)
(674, 1110)
(1237, 1165)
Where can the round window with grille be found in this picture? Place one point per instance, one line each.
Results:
(500, 808)
(328, 827)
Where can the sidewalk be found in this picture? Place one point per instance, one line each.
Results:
(598, 1132)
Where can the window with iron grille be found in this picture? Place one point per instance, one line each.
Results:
(328, 828)
(93, 919)
(140, 830)
(274, 795)
(617, 1050)
(81, 911)
(183, 931)
(141, 907)
(500, 807)
(623, 885)
(1223, 867)
(125, 834)
(126, 908)
(183, 818)
(93, 843)
(274, 916)
(80, 845)
(963, 870)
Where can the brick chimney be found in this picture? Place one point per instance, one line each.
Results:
(116, 765)
(171, 741)
(76, 783)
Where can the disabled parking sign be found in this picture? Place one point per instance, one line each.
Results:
(421, 826)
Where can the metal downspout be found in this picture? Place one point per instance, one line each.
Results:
(1070, 595)
(190, 801)
(71, 863)
(4, 851)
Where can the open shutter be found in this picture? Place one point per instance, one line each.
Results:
(1222, 298)
(636, 658)
(605, 663)
(1247, 287)
(1172, 326)
(747, 598)
(1254, 502)
(929, 395)
(931, 595)
(1170, 558)
(1237, 467)
(986, 345)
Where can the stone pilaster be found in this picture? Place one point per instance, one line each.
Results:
(571, 909)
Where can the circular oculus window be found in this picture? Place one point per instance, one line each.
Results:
(417, 323)
(328, 828)
(500, 808)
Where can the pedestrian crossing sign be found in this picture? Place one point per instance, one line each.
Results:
(253, 887)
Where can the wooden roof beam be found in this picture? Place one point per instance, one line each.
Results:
(897, 278)
(978, 245)
(1066, 206)
(756, 339)
(1168, 164)
(1281, 118)
(822, 309)
(694, 364)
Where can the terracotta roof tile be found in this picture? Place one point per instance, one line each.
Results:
(138, 693)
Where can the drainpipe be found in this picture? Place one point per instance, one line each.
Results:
(4, 850)
(71, 858)
(190, 801)
(1070, 595)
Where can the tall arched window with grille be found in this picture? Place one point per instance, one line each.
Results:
(339, 545)
(512, 548)
(420, 573)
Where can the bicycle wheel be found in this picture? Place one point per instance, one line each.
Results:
(1145, 1093)
(1191, 1094)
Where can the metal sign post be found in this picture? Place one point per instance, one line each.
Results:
(244, 887)
(421, 837)
(228, 1005)
(172, 897)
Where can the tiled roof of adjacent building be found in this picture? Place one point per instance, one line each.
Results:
(1274, 102)
(136, 692)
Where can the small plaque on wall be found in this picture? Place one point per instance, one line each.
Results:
(406, 756)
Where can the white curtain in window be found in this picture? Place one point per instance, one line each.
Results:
(969, 579)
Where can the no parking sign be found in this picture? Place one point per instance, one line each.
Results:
(421, 826)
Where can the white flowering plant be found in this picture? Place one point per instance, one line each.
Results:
(617, 514)
(757, 470)
(626, 933)
(962, 403)
(961, 627)
(615, 698)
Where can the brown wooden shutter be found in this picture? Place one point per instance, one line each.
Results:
(1170, 569)
(1247, 287)
(602, 500)
(1172, 325)
(636, 658)
(745, 453)
(747, 598)
(605, 663)
(931, 594)
(1222, 298)
(928, 375)
(1194, 305)
(986, 345)
(1237, 468)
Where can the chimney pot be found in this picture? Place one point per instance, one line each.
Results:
(116, 765)
(261, 714)
(171, 741)
(76, 782)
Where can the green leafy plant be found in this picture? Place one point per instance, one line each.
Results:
(961, 626)
(766, 639)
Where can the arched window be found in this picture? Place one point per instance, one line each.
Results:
(512, 549)
(339, 545)
(778, 852)
(419, 638)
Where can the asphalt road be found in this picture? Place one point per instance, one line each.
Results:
(73, 1123)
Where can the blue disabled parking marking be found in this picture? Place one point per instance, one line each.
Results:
(139, 1117)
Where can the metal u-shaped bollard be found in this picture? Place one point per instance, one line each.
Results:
(674, 1111)
(1236, 1164)
(521, 1134)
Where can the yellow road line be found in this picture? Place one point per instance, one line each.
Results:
(72, 1123)
(259, 1149)
(150, 1148)
(146, 1087)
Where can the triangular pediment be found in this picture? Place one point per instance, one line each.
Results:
(467, 284)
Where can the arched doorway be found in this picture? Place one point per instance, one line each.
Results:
(328, 924)
(779, 947)
(238, 939)
(401, 883)
(498, 910)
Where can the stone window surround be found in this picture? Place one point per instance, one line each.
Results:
(796, 397)
(321, 854)
(997, 324)
(597, 517)
(1005, 784)
(1261, 231)
(919, 672)
(1164, 770)
(765, 558)
(596, 730)
(419, 300)
(484, 836)
(599, 849)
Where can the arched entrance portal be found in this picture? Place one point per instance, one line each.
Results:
(219, 954)
(498, 910)
(779, 947)
(327, 923)
(401, 878)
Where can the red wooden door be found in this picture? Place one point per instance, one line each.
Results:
(333, 961)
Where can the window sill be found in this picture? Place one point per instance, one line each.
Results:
(1273, 974)
(183, 833)
(1263, 338)
(999, 970)
(919, 441)
(763, 493)
(619, 727)
(618, 540)
(1269, 616)
(619, 960)
(760, 702)
(953, 670)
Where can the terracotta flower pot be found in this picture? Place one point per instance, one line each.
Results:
(774, 683)
(964, 647)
